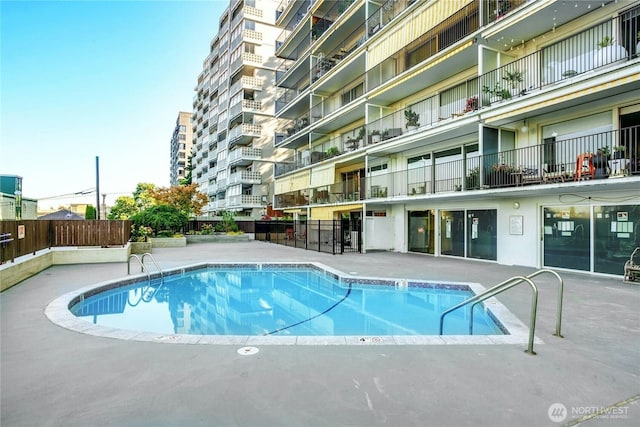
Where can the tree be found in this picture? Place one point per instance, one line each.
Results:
(90, 212)
(188, 177)
(161, 218)
(143, 195)
(186, 198)
(228, 223)
(124, 208)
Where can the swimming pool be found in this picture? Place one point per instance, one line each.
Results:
(284, 303)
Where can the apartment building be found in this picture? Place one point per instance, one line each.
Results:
(233, 111)
(181, 142)
(498, 130)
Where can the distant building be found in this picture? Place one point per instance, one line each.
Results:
(12, 204)
(62, 214)
(180, 147)
(233, 111)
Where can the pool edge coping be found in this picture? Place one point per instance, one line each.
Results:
(57, 311)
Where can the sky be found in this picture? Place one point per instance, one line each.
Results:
(87, 79)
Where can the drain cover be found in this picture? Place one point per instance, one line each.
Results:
(247, 351)
(371, 339)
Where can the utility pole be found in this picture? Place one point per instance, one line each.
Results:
(97, 187)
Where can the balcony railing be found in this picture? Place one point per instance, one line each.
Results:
(244, 154)
(521, 77)
(287, 96)
(247, 82)
(253, 11)
(601, 155)
(244, 200)
(451, 30)
(245, 177)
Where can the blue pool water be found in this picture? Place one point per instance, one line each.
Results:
(280, 301)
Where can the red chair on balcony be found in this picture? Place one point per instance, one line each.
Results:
(289, 233)
(584, 167)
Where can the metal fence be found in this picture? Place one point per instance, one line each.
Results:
(328, 236)
(29, 236)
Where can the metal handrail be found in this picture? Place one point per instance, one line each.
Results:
(560, 293)
(147, 254)
(501, 287)
(142, 269)
(145, 270)
(488, 294)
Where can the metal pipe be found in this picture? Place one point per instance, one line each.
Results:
(560, 296)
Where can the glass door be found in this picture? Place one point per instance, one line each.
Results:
(452, 234)
(421, 231)
(567, 237)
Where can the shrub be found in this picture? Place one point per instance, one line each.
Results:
(161, 217)
(140, 233)
(207, 229)
(228, 223)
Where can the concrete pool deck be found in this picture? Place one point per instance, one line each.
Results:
(54, 376)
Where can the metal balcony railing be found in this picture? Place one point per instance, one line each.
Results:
(563, 162)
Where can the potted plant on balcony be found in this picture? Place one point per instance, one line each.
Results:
(497, 93)
(472, 104)
(332, 152)
(618, 164)
(473, 179)
(375, 136)
(608, 51)
(514, 78)
(361, 133)
(412, 119)
(502, 175)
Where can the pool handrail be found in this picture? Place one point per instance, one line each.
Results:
(142, 264)
(488, 294)
(153, 260)
(142, 269)
(145, 270)
(501, 287)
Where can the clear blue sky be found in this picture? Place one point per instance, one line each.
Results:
(80, 79)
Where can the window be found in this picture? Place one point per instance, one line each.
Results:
(249, 25)
(182, 137)
(183, 128)
(352, 94)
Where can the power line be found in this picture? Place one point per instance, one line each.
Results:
(86, 192)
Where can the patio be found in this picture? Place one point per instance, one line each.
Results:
(52, 376)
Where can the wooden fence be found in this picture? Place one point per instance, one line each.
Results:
(30, 236)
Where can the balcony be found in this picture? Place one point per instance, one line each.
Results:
(222, 184)
(245, 177)
(251, 35)
(244, 201)
(591, 159)
(244, 134)
(295, 134)
(244, 156)
(212, 190)
(248, 83)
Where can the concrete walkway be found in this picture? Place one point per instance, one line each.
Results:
(51, 376)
